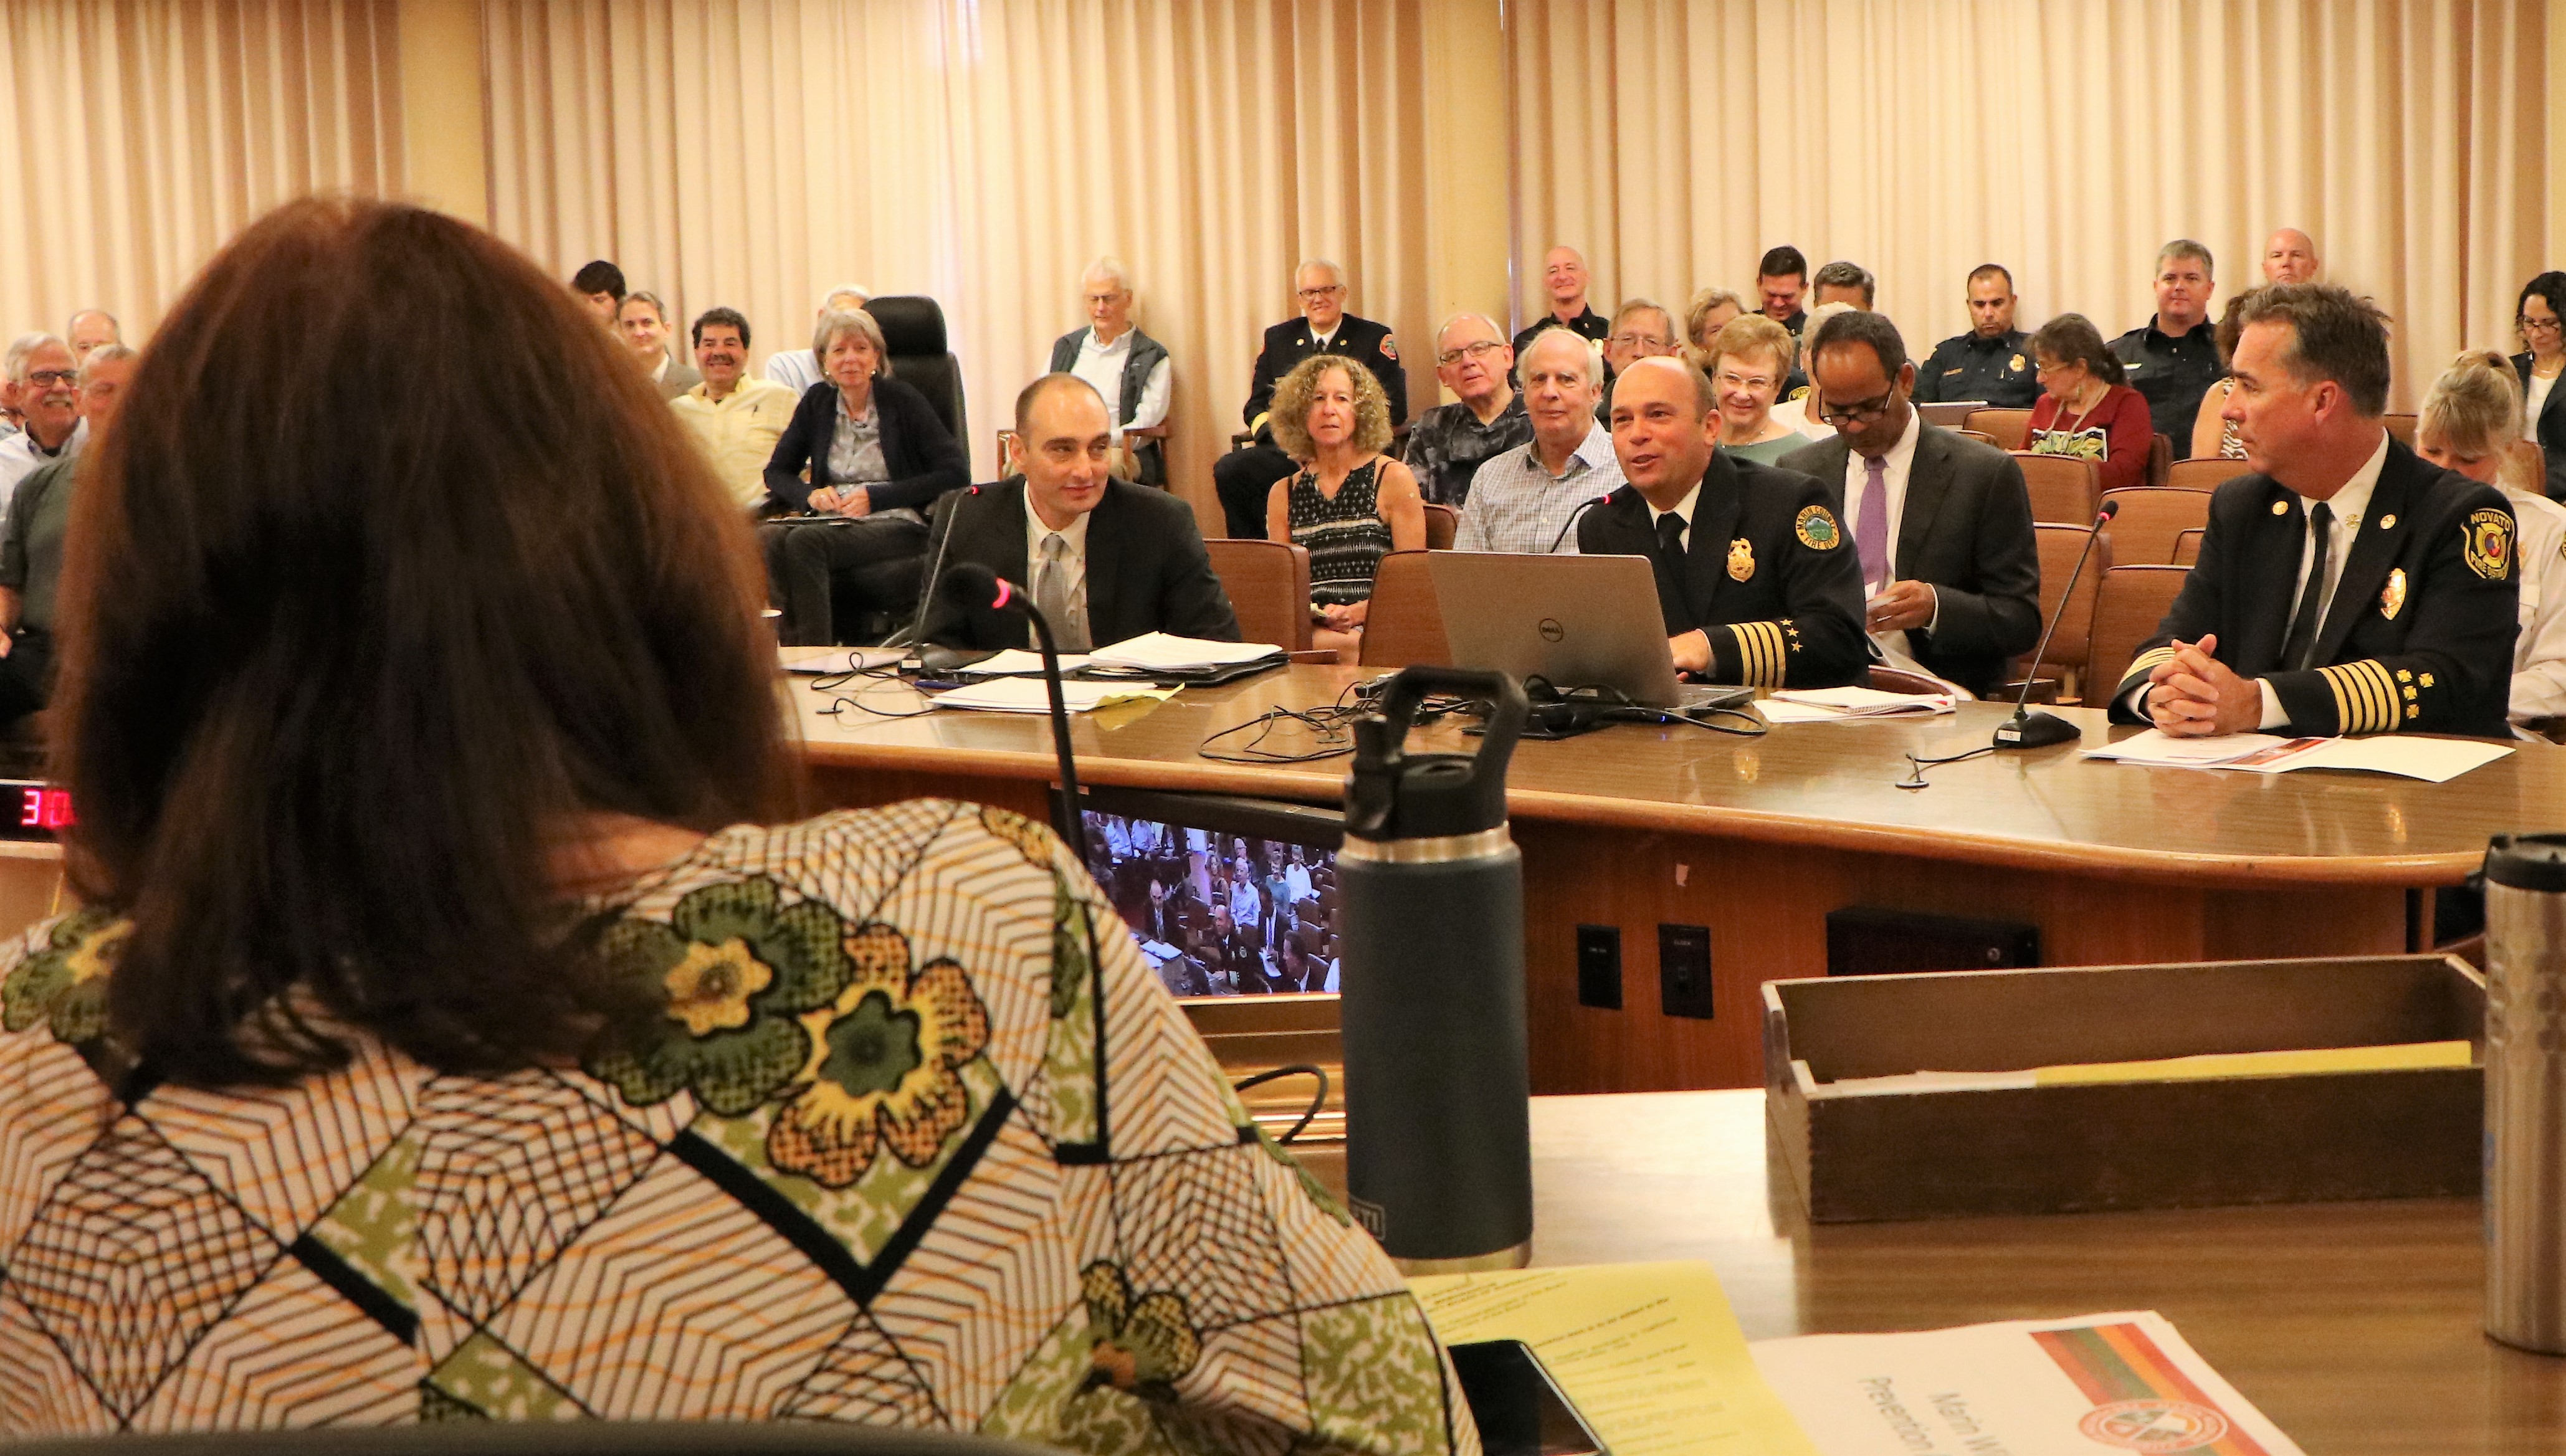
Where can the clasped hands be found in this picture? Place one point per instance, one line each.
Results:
(855, 500)
(2194, 695)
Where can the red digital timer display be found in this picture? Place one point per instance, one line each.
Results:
(41, 808)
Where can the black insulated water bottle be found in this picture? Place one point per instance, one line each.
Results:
(1438, 1150)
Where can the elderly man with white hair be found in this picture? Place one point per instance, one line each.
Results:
(1129, 367)
(1525, 499)
(45, 382)
(1243, 478)
(798, 370)
(1449, 443)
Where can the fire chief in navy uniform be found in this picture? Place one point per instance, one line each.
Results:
(1243, 478)
(2348, 586)
(1755, 579)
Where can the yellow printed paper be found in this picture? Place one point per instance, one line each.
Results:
(1650, 1352)
(2265, 1063)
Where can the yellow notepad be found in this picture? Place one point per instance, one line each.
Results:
(2265, 1063)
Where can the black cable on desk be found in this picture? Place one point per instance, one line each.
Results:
(1297, 1069)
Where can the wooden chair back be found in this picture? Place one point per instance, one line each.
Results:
(1442, 524)
(2149, 517)
(2401, 426)
(2074, 616)
(2159, 459)
(2063, 489)
(2010, 430)
(1981, 436)
(2205, 473)
(2127, 611)
(1405, 625)
(1268, 583)
(2186, 547)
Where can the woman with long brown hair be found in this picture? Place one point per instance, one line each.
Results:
(452, 1030)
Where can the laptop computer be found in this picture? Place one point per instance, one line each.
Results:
(1573, 621)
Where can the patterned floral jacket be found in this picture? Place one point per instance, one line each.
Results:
(918, 1140)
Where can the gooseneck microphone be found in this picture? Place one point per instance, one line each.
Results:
(915, 637)
(2040, 730)
(974, 585)
(1571, 522)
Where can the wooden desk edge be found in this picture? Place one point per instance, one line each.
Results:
(1299, 785)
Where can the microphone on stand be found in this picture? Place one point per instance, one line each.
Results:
(1571, 522)
(970, 583)
(915, 639)
(2040, 730)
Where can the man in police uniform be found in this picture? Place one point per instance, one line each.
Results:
(1990, 362)
(1563, 274)
(2348, 586)
(1755, 580)
(1244, 477)
(2173, 358)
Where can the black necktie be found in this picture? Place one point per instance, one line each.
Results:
(1671, 551)
(2303, 626)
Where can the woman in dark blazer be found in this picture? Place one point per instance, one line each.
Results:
(2541, 318)
(876, 456)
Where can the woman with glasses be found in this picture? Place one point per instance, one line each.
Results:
(2541, 318)
(1747, 361)
(2085, 409)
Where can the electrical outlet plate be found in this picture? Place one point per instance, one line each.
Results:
(1684, 970)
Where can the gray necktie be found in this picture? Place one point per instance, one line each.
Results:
(1051, 594)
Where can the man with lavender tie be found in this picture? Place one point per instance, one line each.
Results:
(1942, 523)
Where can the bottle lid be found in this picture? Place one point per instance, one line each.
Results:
(2528, 861)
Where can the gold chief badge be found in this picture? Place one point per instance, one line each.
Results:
(1817, 529)
(2391, 600)
(1741, 560)
(2489, 548)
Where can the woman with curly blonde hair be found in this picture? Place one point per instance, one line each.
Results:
(1349, 505)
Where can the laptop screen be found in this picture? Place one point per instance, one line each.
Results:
(1226, 896)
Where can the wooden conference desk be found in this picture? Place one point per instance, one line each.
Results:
(2355, 1325)
(1759, 838)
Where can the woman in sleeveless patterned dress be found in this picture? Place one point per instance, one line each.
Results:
(1348, 505)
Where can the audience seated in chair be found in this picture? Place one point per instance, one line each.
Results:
(1747, 364)
(738, 418)
(1244, 478)
(31, 546)
(1128, 369)
(444, 964)
(2470, 420)
(875, 454)
(1349, 505)
(2087, 410)
(1449, 442)
(1564, 279)
(2174, 358)
(44, 384)
(1526, 499)
(1992, 363)
(1641, 330)
(798, 370)
(642, 320)
(599, 284)
(1105, 560)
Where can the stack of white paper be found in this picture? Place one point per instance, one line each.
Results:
(1161, 652)
(2434, 760)
(1032, 695)
(1021, 662)
(1830, 704)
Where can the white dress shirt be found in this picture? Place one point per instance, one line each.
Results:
(2539, 653)
(1075, 535)
(2534, 398)
(1102, 364)
(795, 369)
(1684, 508)
(1897, 466)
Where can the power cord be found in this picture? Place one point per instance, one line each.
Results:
(1298, 1069)
(1332, 726)
(836, 685)
(1915, 780)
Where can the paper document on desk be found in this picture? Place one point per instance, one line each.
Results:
(2433, 760)
(1164, 652)
(1832, 704)
(1033, 695)
(1650, 1353)
(1021, 662)
(2205, 1066)
(2099, 1384)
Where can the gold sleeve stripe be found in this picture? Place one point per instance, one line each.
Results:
(2143, 664)
(1258, 422)
(2365, 697)
(1762, 656)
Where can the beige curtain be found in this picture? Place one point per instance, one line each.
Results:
(135, 137)
(754, 153)
(1676, 140)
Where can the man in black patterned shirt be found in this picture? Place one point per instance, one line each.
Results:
(1449, 443)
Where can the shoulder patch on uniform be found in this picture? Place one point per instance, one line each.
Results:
(1389, 347)
(2489, 544)
(1817, 529)
(1801, 392)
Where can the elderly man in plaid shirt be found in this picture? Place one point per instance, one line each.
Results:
(1524, 498)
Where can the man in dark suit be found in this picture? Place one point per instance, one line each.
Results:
(1105, 560)
(1755, 580)
(1245, 477)
(1942, 523)
(2348, 586)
